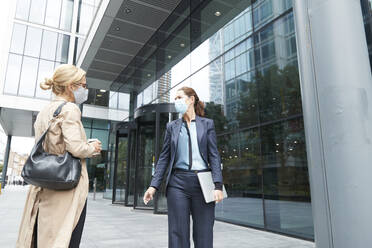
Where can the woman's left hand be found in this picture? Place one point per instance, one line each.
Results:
(218, 195)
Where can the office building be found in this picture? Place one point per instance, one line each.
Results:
(252, 62)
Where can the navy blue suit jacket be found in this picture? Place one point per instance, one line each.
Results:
(207, 142)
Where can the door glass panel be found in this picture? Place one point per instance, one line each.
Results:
(109, 172)
(121, 169)
(132, 167)
(164, 118)
(146, 158)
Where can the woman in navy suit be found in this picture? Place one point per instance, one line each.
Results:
(190, 146)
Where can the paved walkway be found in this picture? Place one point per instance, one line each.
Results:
(114, 226)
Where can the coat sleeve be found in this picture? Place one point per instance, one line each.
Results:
(72, 131)
(163, 161)
(214, 156)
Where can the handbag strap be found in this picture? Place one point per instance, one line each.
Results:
(39, 142)
(58, 110)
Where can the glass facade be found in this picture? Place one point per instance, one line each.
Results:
(241, 59)
(42, 30)
(33, 55)
(97, 166)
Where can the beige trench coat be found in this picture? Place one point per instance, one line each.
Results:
(59, 211)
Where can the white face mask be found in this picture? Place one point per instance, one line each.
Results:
(81, 95)
(181, 106)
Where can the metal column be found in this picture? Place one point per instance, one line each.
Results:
(336, 86)
(6, 159)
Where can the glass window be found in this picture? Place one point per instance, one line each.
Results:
(12, 74)
(240, 157)
(23, 7)
(102, 135)
(286, 179)
(147, 94)
(66, 15)
(18, 38)
(229, 70)
(123, 101)
(52, 14)
(46, 69)
(37, 11)
(63, 48)
(100, 124)
(101, 98)
(49, 44)
(86, 14)
(139, 99)
(28, 77)
(113, 102)
(80, 43)
(241, 64)
(33, 41)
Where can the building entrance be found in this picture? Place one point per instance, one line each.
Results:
(138, 146)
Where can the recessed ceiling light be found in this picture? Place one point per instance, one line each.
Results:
(217, 13)
(169, 57)
(102, 90)
(182, 45)
(149, 75)
(128, 10)
(99, 95)
(117, 28)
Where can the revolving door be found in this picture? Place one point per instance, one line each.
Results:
(142, 140)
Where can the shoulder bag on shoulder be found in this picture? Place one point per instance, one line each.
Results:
(57, 172)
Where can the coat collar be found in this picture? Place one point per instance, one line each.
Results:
(199, 129)
(59, 98)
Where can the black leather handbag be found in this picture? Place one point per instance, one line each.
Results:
(57, 172)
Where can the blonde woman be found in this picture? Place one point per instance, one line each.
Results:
(52, 218)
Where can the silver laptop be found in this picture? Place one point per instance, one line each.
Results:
(207, 186)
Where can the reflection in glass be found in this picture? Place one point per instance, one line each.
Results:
(123, 101)
(121, 169)
(49, 45)
(132, 166)
(23, 7)
(109, 171)
(28, 77)
(66, 14)
(46, 69)
(52, 14)
(87, 10)
(102, 135)
(113, 101)
(18, 38)
(63, 48)
(286, 182)
(37, 11)
(240, 156)
(145, 162)
(33, 41)
(13, 74)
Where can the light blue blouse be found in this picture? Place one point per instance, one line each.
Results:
(182, 156)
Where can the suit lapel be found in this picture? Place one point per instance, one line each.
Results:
(176, 132)
(199, 129)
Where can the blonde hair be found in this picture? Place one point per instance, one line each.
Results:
(63, 76)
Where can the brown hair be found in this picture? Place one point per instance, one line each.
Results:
(63, 76)
(198, 105)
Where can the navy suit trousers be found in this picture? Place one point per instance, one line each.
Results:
(184, 197)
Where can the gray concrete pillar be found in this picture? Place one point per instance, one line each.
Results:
(336, 86)
(6, 159)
